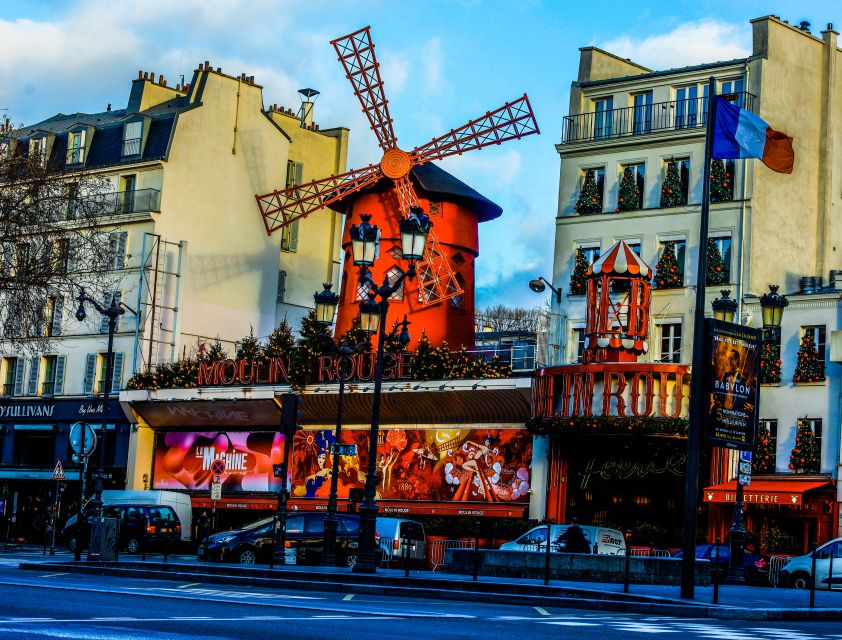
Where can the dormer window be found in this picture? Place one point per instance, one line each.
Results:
(132, 136)
(76, 147)
(38, 150)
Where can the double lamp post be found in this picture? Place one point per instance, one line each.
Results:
(365, 240)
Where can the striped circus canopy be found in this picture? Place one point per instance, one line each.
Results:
(620, 260)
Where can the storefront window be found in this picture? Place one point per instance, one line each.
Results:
(34, 446)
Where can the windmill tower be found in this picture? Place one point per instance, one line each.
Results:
(441, 300)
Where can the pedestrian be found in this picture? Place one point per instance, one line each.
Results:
(574, 539)
(202, 526)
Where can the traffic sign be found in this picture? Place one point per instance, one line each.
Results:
(58, 472)
(744, 479)
(218, 467)
(216, 491)
(79, 432)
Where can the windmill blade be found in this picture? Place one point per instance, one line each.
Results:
(356, 53)
(512, 121)
(436, 280)
(406, 195)
(281, 208)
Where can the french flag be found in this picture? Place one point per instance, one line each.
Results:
(738, 133)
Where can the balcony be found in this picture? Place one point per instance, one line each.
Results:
(676, 115)
(137, 201)
(131, 147)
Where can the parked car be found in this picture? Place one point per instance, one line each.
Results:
(252, 543)
(797, 571)
(756, 566)
(155, 525)
(393, 531)
(180, 503)
(600, 540)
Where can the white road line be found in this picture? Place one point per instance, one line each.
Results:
(348, 598)
(191, 618)
(189, 584)
(565, 623)
(541, 610)
(52, 575)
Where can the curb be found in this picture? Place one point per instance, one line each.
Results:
(441, 589)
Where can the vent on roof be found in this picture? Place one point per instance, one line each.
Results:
(811, 284)
(804, 26)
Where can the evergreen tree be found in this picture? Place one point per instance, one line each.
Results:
(590, 198)
(721, 182)
(314, 342)
(805, 453)
(808, 368)
(421, 359)
(280, 342)
(716, 273)
(763, 457)
(629, 196)
(770, 362)
(249, 347)
(667, 275)
(216, 352)
(672, 193)
(578, 279)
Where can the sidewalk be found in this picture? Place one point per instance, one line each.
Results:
(735, 602)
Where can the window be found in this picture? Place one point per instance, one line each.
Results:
(117, 296)
(289, 237)
(603, 117)
(12, 376)
(819, 337)
(577, 340)
(72, 201)
(670, 337)
(110, 444)
(53, 316)
(132, 135)
(683, 166)
(392, 276)
(295, 173)
(48, 385)
(772, 428)
(34, 445)
(638, 172)
(61, 256)
(117, 250)
(436, 209)
(679, 247)
(38, 150)
(76, 147)
(723, 244)
(642, 113)
(686, 106)
(591, 251)
(125, 199)
(95, 372)
(282, 285)
(733, 91)
(458, 301)
(815, 425)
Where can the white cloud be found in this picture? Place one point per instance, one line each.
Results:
(501, 168)
(687, 44)
(432, 57)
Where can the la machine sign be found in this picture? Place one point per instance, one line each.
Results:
(360, 367)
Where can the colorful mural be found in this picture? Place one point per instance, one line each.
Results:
(183, 460)
(458, 465)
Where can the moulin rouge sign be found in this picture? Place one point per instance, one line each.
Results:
(360, 367)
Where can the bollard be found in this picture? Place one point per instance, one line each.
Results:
(477, 525)
(274, 542)
(628, 562)
(716, 573)
(405, 542)
(813, 577)
(547, 557)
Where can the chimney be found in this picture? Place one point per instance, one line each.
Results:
(308, 100)
(804, 26)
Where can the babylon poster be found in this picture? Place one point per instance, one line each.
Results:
(731, 384)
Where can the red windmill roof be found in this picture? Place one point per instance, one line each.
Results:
(620, 260)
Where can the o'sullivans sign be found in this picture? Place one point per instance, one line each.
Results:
(360, 367)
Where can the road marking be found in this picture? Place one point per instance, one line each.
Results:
(189, 584)
(191, 618)
(571, 624)
(116, 619)
(349, 597)
(541, 610)
(52, 575)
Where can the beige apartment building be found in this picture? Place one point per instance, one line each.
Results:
(770, 229)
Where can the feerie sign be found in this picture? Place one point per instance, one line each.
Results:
(361, 366)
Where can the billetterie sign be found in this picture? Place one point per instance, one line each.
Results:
(359, 367)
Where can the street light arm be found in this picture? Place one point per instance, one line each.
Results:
(557, 292)
(385, 290)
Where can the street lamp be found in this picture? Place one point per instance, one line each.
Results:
(724, 308)
(112, 312)
(772, 307)
(414, 232)
(538, 285)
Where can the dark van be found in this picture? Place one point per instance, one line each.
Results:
(156, 525)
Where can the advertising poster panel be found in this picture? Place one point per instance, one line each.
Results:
(183, 460)
(453, 465)
(731, 384)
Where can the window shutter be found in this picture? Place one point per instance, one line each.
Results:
(282, 285)
(19, 363)
(117, 375)
(58, 308)
(293, 236)
(117, 250)
(90, 372)
(34, 366)
(299, 173)
(72, 249)
(58, 387)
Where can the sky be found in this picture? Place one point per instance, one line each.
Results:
(443, 62)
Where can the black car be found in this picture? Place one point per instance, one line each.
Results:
(304, 532)
(756, 566)
(154, 525)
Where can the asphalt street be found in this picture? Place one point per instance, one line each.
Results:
(59, 605)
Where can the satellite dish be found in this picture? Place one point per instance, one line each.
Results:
(82, 432)
(537, 285)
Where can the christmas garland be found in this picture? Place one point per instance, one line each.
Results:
(605, 425)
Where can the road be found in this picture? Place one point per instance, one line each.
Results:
(75, 606)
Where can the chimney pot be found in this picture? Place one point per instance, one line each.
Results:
(140, 74)
(152, 76)
(219, 69)
(830, 26)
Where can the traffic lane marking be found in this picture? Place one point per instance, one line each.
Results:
(52, 575)
(348, 597)
(189, 584)
(11, 621)
(541, 610)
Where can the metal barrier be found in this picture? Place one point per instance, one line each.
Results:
(438, 549)
(649, 552)
(775, 564)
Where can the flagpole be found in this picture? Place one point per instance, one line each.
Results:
(695, 435)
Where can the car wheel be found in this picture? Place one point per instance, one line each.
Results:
(800, 580)
(133, 545)
(246, 557)
(351, 560)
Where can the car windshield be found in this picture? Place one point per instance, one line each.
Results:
(256, 525)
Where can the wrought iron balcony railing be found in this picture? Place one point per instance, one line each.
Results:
(676, 115)
(137, 201)
(131, 147)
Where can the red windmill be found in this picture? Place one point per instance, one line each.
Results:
(444, 303)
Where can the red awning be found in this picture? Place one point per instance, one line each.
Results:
(387, 507)
(770, 492)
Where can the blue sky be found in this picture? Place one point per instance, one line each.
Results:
(443, 62)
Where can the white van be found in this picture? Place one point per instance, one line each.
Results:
(180, 503)
(601, 540)
(392, 533)
(797, 572)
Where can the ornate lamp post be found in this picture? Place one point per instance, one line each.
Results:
(112, 312)
(772, 307)
(724, 308)
(414, 230)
